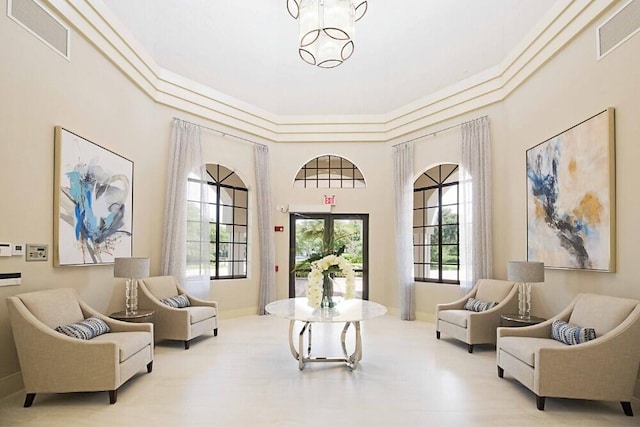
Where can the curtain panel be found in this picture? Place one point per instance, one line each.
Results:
(476, 245)
(185, 160)
(266, 238)
(403, 198)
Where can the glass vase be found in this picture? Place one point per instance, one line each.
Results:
(327, 292)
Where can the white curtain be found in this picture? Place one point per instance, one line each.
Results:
(265, 228)
(185, 160)
(403, 192)
(476, 248)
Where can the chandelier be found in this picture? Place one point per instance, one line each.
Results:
(326, 29)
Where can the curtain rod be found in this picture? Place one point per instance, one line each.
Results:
(223, 134)
(438, 131)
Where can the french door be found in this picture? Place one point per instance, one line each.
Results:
(313, 234)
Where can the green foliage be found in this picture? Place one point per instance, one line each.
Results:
(449, 236)
(313, 242)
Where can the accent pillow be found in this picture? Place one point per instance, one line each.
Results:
(571, 334)
(86, 329)
(179, 301)
(473, 304)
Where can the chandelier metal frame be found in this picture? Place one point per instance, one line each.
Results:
(339, 39)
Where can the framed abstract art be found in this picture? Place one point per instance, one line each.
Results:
(93, 202)
(571, 197)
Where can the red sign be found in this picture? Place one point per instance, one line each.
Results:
(330, 200)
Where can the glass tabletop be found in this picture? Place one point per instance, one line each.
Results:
(353, 310)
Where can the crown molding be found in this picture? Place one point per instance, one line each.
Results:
(94, 21)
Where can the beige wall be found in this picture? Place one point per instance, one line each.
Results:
(39, 90)
(569, 89)
(89, 96)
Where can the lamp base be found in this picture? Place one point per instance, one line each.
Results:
(524, 300)
(131, 296)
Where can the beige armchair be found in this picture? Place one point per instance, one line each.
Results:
(477, 327)
(52, 362)
(182, 324)
(604, 368)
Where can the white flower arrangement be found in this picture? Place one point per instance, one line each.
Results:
(316, 277)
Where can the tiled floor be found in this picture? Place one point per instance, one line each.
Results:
(247, 377)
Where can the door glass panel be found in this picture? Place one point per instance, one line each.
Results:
(347, 233)
(324, 234)
(309, 237)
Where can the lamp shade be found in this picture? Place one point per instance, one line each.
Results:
(131, 268)
(525, 272)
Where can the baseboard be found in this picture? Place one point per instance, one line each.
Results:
(11, 384)
(426, 317)
(420, 315)
(241, 312)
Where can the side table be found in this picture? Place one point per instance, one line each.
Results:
(140, 316)
(514, 320)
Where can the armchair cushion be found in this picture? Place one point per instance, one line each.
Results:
(129, 343)
(198, 314)
(568, 333)
(493, 290)
(65, 310)
(86, 329)
(601, 312)
(455, 317)
(179, 301)
(474, 304)
(525, 348)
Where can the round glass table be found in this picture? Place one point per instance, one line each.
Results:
(351, 312)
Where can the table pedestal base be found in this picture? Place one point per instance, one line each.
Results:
(351, 360)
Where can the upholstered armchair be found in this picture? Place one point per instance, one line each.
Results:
(52, 362)
(478, 327)
(177, 323)
(604, 368)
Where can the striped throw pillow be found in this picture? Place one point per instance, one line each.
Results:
(179, 301)
(86, 329)
(571, 334)
(473, 304)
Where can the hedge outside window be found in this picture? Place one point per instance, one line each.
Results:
(435, 225)
(228, 213)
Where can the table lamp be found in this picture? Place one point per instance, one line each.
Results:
(131, 269)
(524, 273)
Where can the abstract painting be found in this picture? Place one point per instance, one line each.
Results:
(571, 197)
(93, 202)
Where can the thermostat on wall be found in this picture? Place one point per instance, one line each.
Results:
(37, 252)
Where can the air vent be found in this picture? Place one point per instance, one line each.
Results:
(619, 28)
(33, 16)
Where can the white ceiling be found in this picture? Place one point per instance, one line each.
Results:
(405, 50)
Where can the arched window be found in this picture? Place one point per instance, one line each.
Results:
(228, 213)
(329, 172)
(435, 225)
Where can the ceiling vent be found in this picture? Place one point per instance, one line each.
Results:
(623, 25)
(33, 17)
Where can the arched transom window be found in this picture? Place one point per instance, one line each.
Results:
(329, 172)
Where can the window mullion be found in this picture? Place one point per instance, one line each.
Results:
(218, 214)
